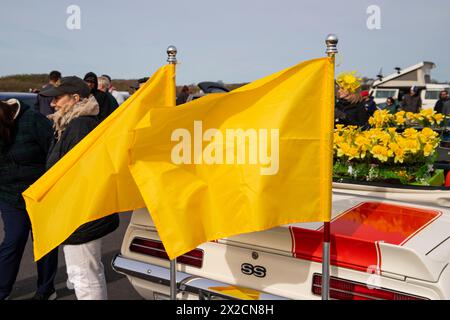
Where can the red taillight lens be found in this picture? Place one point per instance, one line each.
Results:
(156, 249)
(341, 289)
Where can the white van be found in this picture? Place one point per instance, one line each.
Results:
(399, 83)
(429, 94)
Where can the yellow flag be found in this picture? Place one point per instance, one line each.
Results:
(93, 180)
(252, 159)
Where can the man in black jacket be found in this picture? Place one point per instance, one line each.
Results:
(106, 107)
(75, 116)
(411, 102)
(103, 85)
(443, 104)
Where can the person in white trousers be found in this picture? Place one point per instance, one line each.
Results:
(85, 270)
(75, 116)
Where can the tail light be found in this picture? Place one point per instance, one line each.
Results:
(156, 249)
(341, 289)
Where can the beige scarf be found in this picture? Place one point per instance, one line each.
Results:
(61, 119)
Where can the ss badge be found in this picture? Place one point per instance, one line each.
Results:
(257, 271)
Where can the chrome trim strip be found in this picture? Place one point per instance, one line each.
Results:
(185, 282)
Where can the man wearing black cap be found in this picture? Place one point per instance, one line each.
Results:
(75, 116)
(106, 107)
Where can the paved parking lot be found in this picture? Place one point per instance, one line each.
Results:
(119, 287)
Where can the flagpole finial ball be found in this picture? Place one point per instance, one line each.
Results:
(172, 54)
(331, 42)
(332, 38)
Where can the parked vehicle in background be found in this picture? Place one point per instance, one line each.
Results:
(399, 83)
(24, 97)
(429, 95)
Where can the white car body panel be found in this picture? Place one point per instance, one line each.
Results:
(419, 265)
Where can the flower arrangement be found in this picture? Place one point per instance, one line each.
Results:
(402, 119)
(390, 151)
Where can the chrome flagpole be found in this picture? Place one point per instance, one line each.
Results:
(331, 43)
(172, 59)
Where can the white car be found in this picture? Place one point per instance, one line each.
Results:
(387, 243)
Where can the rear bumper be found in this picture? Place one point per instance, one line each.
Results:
(185, 282)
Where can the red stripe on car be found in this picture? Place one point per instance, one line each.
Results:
(356, 233)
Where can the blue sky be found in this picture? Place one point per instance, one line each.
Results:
(233, 41)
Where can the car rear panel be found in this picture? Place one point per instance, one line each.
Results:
(373, 243)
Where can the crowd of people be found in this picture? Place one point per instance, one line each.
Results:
(108, 97)
(32, 140)
(355, 107)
